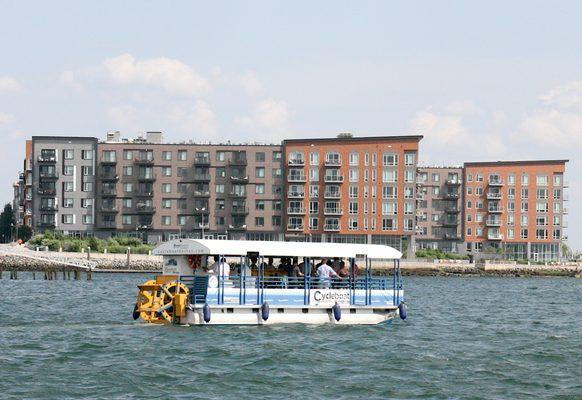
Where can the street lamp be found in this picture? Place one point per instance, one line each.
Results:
(202, 224)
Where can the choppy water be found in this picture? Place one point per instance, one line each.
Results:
(465, 338)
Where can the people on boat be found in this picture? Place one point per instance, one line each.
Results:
(325, 273)
(220, 267)
(344, 270)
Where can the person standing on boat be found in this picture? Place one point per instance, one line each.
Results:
(220, 267)
(325, 273)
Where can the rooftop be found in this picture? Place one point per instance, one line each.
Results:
(523, 162)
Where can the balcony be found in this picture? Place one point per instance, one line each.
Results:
(452, 236)
(145, 226)
(333, 211)
(202, 161)
(238, 195)
(451, 196)
(565, 210)
(201, 211)
(494, 196)
(453, 182)
(47, 160)
(237, 210)
(201, 178)
(145, 193)
(239, 179)
(331, 227)
(496, 182)
(332, 195)
(296, 178)
(109, 177)
(493, 222)
(109, 210)
(236, 161)
(144, 160)
(46, 224)
(495, 210)
(295, 210)
(201, 193)
(296, 162)
(21, 177)
(333, 163)
(48, 175)
(333, 178)
(108, 161)
(494, 236)
(420, 196)
(49, 208)
(145, 209)
(109, 192)
(237, 227)
(452, 210)
(294, 227)
(449, 222)
(47, 192)
(295, 195)
(146, 177)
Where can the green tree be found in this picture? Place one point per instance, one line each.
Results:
(7, 224)
(24, 232)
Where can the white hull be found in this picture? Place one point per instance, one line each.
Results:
(251, 315)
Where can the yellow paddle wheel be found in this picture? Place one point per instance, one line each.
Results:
(162, 300)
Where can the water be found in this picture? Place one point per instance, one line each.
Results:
(465, 338)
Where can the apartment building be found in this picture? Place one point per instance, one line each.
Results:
(439, 208)
(23, 190)
(161, 191)
(516, 208)
(351, 189)
(62, 177)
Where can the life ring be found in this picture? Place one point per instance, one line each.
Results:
(194, 261)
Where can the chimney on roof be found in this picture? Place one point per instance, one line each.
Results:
(113, 136)
(345, 135)
(154, 137)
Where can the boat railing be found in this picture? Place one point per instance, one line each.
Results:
(310, 282)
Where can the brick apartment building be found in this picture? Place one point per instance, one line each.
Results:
(345, 189)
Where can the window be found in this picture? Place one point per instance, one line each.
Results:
(220, 204)
(353, 174)
(260, 188)
(353, 192)
(314, 158)
(220, 155)
(277, 172)
(389, 192)
(313, 191)
(542, 180)
(87, 154)
(542, 207)
(313, 223)
(389, 208)
(182, 155)
(219, 220)
(166, 187)
(68, 202)
(260, 156)
(353, 223)
(259, 205)
(542, 193)
(408, 208)
(259, 221)
(558, 180)
(524, 233)
(389, 159)
(389, 224)
(469, 190)
(313, 207)
(479, 177)
(511, 193)
(277, 156)
(408, 192)
(541, 233)
(87, 170)
(469, 204)
(68, 154)
(128, 187)
(353, 207)
(182, 172)
(524, 193)
(86, 203)
(524, 206)
(277, 205)
(354, 159)
(469, 177)
(167, 171)
(182, 220)
(436, 177)
(276, 220)
(409, 159)
(525, 179)
(469, 232)
(260, 172)
(367, 159)
(166, 203)
(313, 174)
(127, 203)
(409, 176)
(127, 171)
(479, 191)
(68, 170)
(127, 155)
(182, 188)
(389, 175)
(220, 188)
(109, 156)
(167, 155)
(510, 233)
(524, 220)
(166, 220)
(68, 219)
(68, 186)
(436, 190)
(511, 179)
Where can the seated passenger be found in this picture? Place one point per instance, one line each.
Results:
(325, 273)
(220, 268)
(344, 270)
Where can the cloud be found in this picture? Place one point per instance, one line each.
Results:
(6, 119)
(9, 84)
(199, 119)
(124, 117)
(169, 74)
(251, 84)
(438, 127)
(267, 114)
(564, 96)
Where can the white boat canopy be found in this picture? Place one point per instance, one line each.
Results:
(276, 249)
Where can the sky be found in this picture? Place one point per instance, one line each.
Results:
(481, 81)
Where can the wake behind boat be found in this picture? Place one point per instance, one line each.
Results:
(193, 291)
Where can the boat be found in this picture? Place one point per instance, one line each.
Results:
(194, 291)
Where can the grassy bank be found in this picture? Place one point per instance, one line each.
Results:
(117, 244)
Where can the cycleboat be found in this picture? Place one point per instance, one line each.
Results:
(195, 291)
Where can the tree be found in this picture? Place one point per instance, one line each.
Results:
(7, 223)
(24, 232)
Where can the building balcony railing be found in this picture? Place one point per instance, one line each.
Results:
(420, 196)
(451, 196)
(145, 193)
(46, 224)
(109, 177)
(51, 208)
(147, 178)
(333, 178)
(238, 161)
(145, 209)
(47, 159)
(332, 195)
(109, 209)
(46, 192)
(296, 178)
(495, 210)
(108, 161)
(331, 227)
(565, 210)
(493, 222)
(239, 179)
(295, 195)
(109, 192)
(449, 222)
(452, 210)
(313, 195)
(333, 211)
(496, 182)
(239, 210)
(452, 236)
(21, 176)
(201, 178)
(494, 196)
(494, 236)
(201, 193)
(238, 194)
(237, 227)
(294, 227)
(453, 182)
(333, 163)
(202, 161)
(144, 161)
(296, 162)
(295, 210)
(48, 175)
(201, 211)
(145, 227)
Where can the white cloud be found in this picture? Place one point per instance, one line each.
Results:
(169, 74)
(6, 119)
(269, 114)
(124, 118)
(438, 127)
(564, 96)
(251, 84)
(9, 84)
(199, 119)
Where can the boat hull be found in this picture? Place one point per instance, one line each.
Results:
(252, 315)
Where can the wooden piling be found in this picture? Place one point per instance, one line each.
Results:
(34, 275)
(89, 275)
(1, 272)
